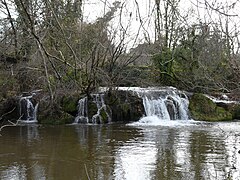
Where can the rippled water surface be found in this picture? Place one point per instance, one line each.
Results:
(179, 150)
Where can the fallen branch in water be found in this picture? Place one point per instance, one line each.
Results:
(86, 171)
(7, 113)
(11, 124)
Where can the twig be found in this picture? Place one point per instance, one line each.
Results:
(86, 171)
(32, 165)
(7, 113)
(11, 124)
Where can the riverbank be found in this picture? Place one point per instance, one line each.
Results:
(120, 105)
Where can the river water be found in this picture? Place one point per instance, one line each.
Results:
(169, 150)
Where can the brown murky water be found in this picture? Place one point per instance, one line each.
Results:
(168, 151)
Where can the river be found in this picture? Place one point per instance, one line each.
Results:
(170, 150)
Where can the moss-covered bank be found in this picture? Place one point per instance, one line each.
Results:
(204, 109)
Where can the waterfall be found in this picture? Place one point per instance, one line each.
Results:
(170, 107)
(101, 110)
(101, 106)
(166, 103)
(28, 111)
(159, 104)
(82, 111)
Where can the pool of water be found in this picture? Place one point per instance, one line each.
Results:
(167, 150)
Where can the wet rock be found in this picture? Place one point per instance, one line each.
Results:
(202, 108)
(172, 107)
(69, 104)
(52, 114)
(125, 106)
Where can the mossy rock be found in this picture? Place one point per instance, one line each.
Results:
(125, 106)
(104, 116)
(69, 104)
(53, 115)
(202, 108)
(56, 118)
(235, 110)
(92, 109)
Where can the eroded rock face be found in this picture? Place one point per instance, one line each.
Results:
(110, 106)
(118, 106)
(125, 106)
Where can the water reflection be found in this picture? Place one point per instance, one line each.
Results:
(135, 159)
(202, 151)
(29, 133)
(230, 157)
(14, 171)
(182, 154)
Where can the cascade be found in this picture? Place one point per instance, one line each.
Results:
(28, 112)
(166, 103)
(101, 106)
(82, 111)
(83, 114)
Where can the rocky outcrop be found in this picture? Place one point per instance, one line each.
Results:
(53, 115)
(69, 104)
(203, 108)
(125, 106)
(110, 106)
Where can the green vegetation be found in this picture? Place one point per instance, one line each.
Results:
(54, 49)
(69, 104)
(202, 108)
(56, 120)
(104, 116)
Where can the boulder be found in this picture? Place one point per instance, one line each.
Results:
(125, 106)
(69, 104)
(52, 114)
(203, 108)
(232, 107)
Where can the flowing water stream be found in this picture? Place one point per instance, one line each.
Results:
(164, 144)
(179, 150)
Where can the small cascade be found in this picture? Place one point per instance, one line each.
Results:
(165, 103)
(159, 104)
(28, 111)
(102, 108)
(96, 102)
(82, 111)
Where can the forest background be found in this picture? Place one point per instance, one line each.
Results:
(77, 46)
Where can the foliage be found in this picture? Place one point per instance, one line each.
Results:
(196, 62)
(164, 63)
(56, 50)
(69, 104)
(194, 59)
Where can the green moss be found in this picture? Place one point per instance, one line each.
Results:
(92, 109)
(125, 107)
(202, 108)
(58, 119)
(104, 116)
(69, 104)
(236, 111)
